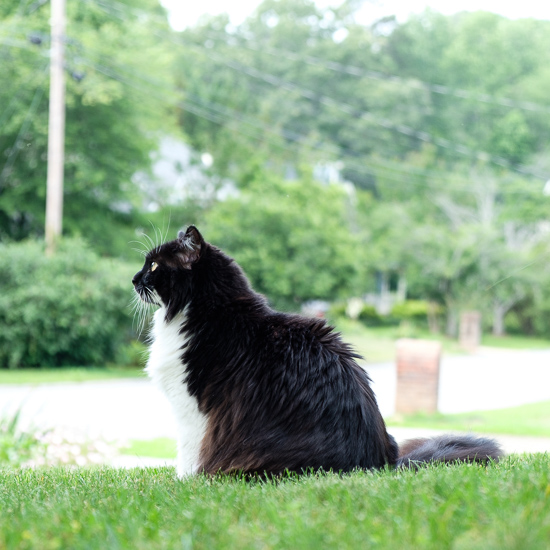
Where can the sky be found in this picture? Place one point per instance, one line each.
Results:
(185, 12)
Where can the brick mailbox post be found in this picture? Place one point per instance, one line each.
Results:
(417, 376)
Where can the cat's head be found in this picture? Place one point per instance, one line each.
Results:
(167, 275)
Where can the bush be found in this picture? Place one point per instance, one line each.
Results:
(415, 311)
(370, 317)
(71, 309)
(18, 447)
(292, 239)
(337, 310)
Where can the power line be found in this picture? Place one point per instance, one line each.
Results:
(367, 116)
(352, 70)
(441, 89)
(344, 107)
(300, 138)
(349, 109)
(219, 114)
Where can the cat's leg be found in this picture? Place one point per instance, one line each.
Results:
(191, 429)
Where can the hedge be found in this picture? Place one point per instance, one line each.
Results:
(70, 309)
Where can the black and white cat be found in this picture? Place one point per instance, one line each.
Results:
(259, 391)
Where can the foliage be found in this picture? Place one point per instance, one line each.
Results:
(437, 507)
(291, 237)
(411, 310)
(446, 145)
(71, 309)
(445, 138)
(17, 448)
(32, 447)
(110, 128)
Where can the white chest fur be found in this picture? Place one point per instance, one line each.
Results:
(167, 371)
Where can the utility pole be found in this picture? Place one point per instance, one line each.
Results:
(56, 127)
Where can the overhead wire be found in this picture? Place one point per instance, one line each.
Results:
(380, 121)
(441, 89)
(222, 115)
(403, 129)
(271, 79)
(352, 70)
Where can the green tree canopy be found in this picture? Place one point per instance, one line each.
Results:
(111, 127)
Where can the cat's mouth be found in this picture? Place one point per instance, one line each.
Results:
(148, 296)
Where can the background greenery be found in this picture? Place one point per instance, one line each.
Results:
(335, 159)
(71, 309)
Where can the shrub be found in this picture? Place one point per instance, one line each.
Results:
(33, 447)
(71, 309)
(18, 447)
(370, 317)
(411, 310)
(337, 310)
(292, 239)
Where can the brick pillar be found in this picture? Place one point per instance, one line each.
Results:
(470, 330)
(417, 376)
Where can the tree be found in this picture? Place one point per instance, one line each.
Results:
(292, 238)
(111, 129)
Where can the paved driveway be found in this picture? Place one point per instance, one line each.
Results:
(135, 409)
(490, 379)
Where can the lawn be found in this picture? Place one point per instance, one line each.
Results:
(530, 420)
(377, 344)
(504, 506)
(67, 374)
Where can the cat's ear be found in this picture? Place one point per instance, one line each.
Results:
(191, 245)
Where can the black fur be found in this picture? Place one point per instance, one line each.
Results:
(280, 391)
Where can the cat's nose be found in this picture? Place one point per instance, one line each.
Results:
(135, 279)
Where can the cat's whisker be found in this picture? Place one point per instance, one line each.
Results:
(165, 236)
(149, 240)
(144, 313)
(144, 247)
(142, 252)
(141, 310)
(157, 235)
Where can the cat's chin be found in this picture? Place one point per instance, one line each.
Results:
(151, 298)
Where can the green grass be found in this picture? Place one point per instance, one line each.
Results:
(515, 341)
(529, 420)
(69, 374)
(504, 507)
(160, 447)
(377, 344)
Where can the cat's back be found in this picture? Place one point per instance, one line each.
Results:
(305, 338)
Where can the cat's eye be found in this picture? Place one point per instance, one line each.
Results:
(154, 265)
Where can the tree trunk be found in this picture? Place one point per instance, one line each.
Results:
(499, 311)
(452, 323)
(401, 288)
(433, 323)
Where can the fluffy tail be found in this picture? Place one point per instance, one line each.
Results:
(448, 448)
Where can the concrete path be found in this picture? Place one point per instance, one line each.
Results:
(491, 379)
(135, 409)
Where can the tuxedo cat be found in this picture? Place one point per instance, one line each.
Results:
(258, 391)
